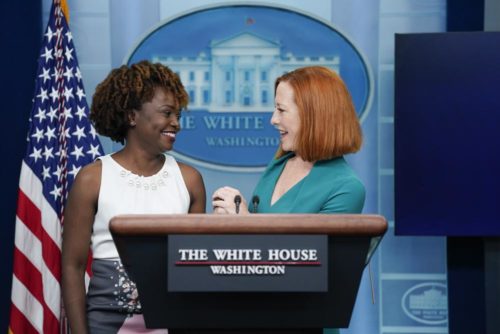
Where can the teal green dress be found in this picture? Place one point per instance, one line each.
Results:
(330, 187)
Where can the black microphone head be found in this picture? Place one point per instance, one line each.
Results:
(255, 203)
(237, 199)
(255, 199)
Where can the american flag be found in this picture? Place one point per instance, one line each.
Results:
(60, 141)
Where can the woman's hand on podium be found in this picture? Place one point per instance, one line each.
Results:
(227, 200)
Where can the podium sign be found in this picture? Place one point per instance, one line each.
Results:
(145, 243)
(281, 263)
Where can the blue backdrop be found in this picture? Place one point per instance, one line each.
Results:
(409, 273)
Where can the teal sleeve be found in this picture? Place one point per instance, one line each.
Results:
(349, 198)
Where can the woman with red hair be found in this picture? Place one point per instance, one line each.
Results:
(318, 125)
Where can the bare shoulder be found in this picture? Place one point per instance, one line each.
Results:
(83, 196)
(195, 186)
(88, 178)
(189, 173)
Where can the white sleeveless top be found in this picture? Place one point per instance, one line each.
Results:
(122, 192)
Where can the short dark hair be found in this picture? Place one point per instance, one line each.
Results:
(329, 126)
(126, 89)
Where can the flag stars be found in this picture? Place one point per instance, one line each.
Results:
(66, 132)
(36, 154)
(77, 152)
(80, 132)
(38, 135)
(54, 94)
(80, 93)
(58, 172)
(52, 114)
(68, 74)
(92, 131)
(56, 192)
(80, 112)
(46, 172)
(78, 74)
(94, 150)
(67, 113)
(61, 139)
(47, 153)
(49, 34)
(68, 54)
(50, 133)
(40, 115)
(57, 74)
(68, 93)
(74, 170)
(43, 95)
(69, 36)
(45, 75)
(47, 55)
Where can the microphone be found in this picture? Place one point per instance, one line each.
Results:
(237, 202)
(255, 203)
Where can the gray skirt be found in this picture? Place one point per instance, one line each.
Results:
(113, 306)
(113, 301)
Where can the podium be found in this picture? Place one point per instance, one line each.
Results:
(270, 271)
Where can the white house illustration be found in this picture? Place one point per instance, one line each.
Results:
(238, 75)
(430, 299)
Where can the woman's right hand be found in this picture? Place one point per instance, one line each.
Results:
(223, 201)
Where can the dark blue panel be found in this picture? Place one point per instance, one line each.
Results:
(467, 292)
(447, 134)
(21, 35)
(465, 15)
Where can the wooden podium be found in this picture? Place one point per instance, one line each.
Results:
(253, 301)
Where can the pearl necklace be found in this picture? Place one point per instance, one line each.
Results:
(152, 182)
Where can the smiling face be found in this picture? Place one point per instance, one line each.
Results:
(286, 117)
(157, 122)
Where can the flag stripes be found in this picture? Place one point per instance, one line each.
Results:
(28, 305)
(60, 141)
(31, 187)
(32, 279)
(30, 216)
(18, 322)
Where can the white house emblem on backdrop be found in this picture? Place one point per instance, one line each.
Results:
(426, 303)
(228, 58)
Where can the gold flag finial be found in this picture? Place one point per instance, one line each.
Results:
(65, 9)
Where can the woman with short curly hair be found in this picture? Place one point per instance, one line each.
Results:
(140, 106)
